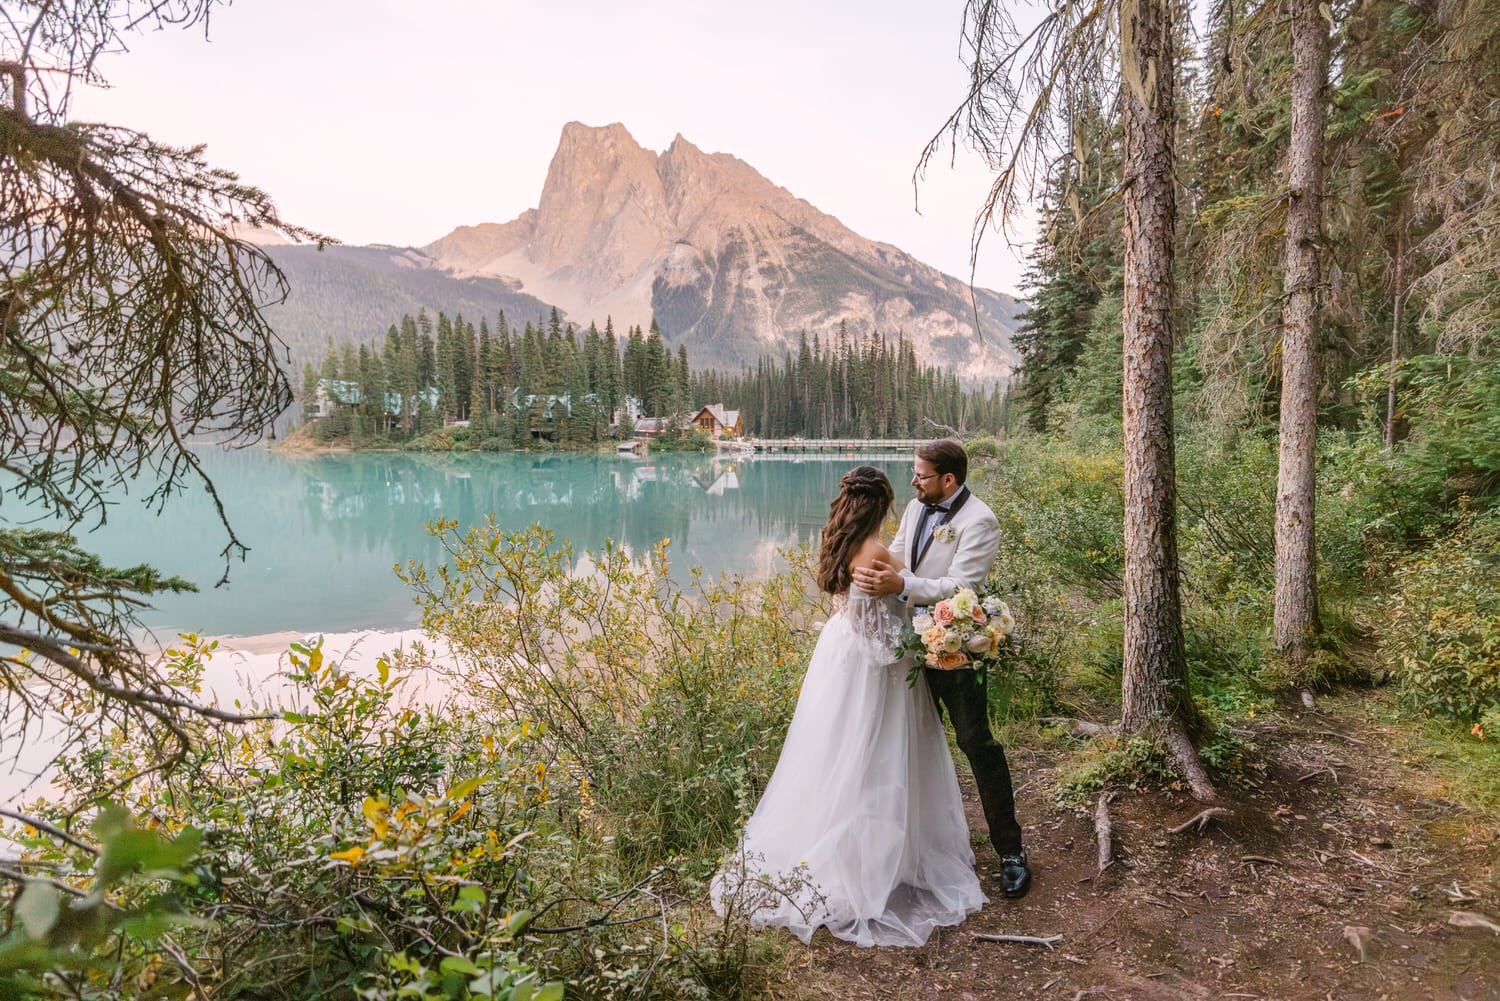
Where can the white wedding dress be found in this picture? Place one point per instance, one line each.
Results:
(861, 828)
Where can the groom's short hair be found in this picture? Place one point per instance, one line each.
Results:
(947, 456)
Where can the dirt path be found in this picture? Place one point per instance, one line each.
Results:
(1344, 846)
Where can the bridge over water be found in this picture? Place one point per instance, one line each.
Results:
(749, 446)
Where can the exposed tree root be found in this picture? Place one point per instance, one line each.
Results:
(1187, 759)
(1201, 819)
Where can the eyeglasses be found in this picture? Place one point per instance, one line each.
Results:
(921, 477)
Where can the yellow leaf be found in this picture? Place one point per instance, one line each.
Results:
(375, 813)
(352, 856)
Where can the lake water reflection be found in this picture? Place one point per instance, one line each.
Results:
(325, 530)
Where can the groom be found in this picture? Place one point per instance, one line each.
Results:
(949, 539)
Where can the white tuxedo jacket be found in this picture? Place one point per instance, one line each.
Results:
(944, 567)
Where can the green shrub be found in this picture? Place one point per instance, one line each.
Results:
(1441, 629)
(1452, 406)
(1108, 762)
(982, 446)
(673, 704)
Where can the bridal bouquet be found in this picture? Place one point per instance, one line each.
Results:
(965, 632)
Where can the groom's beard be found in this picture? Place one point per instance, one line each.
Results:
(934, 495)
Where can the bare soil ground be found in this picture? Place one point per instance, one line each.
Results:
(1334, 877)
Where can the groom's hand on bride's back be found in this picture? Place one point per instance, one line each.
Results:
(879, 579)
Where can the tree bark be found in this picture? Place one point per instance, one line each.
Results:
(1296, 617)
(1156, 699)
(1390, 386)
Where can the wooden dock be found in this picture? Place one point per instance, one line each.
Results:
(751, 446)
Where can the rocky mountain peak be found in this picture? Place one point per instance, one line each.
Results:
(729, 263)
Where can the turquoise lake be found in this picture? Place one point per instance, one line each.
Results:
(325, 530)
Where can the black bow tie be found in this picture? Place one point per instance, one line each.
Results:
(936, 509)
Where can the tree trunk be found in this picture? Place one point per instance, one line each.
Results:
(1156, 698)
(1390, 386)
(1296, 544)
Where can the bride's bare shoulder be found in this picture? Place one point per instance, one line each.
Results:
(870, 550)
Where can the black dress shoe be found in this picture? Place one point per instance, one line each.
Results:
(1015, 877)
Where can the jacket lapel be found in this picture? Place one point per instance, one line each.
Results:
(958, 502)
(916, 537)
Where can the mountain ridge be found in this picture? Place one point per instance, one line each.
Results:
(729, 263)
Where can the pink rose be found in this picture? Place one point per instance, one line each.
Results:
(943, 613)
(979, 615)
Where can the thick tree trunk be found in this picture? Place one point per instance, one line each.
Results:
(1156, 697)
(1296, 543)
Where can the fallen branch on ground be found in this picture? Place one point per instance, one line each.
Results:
(1049, 941)
(1102, 829)
(1201, 819)
(1359, 937)
(1319, 771)
(1459, 894)
(1081, 729)
(1469, 919)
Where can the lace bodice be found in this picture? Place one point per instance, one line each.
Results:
(879, 620)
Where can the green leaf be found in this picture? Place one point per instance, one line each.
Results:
(38, 908)
(133, 848)
(459, 964)
(465, 787)
(471, 900)
(551, 992)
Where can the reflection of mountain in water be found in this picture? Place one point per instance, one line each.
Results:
(326, 530)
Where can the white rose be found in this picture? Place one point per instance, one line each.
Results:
(979, 643)
(921, 623)
(1007, 623)
(963, 604)
(953, 642)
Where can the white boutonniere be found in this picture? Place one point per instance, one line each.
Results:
(945, 534)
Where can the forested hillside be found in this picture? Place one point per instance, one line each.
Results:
(548, 385)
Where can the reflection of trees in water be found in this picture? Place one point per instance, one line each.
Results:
(711, 508)
(325, 529)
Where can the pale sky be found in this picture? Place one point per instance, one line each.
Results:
(393, 122)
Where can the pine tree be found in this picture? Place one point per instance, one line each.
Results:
(445, 363)
(309, 397)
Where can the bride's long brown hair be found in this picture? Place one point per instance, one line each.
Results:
(863, 501)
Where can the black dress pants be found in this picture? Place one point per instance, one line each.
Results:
(965, 698)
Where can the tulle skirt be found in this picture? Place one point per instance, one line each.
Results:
(861, 829)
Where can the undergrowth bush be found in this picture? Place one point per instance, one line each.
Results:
(1441, 634)
(550, 826)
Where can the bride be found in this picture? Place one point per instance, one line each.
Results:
(861, 828)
